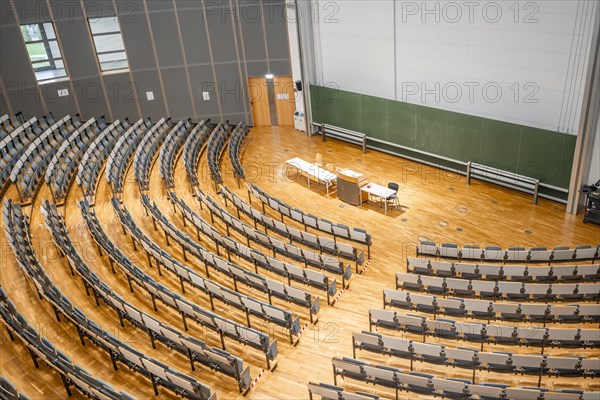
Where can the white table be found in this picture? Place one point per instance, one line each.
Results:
(378, 191)
(313, 171)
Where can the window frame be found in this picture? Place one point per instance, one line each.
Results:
(102, 53)
(50, 59)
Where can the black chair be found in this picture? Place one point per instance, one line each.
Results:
(393, 199)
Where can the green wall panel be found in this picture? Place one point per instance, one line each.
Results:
(402, 123)
(374, 114)
(463, 137)
(431, 130)
(534, 152)
(349, 111)
(541, 154)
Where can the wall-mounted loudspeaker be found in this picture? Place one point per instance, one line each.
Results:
(298, 86)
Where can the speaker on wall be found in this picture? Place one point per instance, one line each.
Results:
(298, 85)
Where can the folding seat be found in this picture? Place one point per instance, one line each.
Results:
(538, 291)
(384, 318)
(590, 366)
(460, 287)
(590, 337)
(527, 363)
(470, 252)
(451, 387)
(491, 272)
(589, 291)
(449, 250)
(562, 253)
(509, 311)
(461, 356)
(563, 365)
(451, 306)
(541, 274)
(531, 335)
(587, 252)
(486, 289)
(417, 382)
(397, 298)
(443, 328)
(424, 303)
(409, 282)
(371, 341)
(396, 346)
(539, 254)
(536, 312)
(487, 391)
(431, 353)
(512, 290)
(566, 291)
(361, 236)
(562, 394)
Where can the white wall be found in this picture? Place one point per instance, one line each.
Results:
(522, 63)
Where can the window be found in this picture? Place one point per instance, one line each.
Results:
(109, 43)
(44, 52)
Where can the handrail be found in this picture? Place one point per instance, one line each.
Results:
(503, 178)
(337, 132)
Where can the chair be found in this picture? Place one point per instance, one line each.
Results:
(393, 199)
(319, 159)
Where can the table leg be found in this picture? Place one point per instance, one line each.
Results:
(385, 206)
(327, 188)
(308, 179)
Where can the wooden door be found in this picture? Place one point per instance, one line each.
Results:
(284, 99)
(259, 101)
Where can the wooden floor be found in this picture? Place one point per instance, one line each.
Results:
(437, 205)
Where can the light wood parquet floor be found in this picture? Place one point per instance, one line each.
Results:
(435, 205)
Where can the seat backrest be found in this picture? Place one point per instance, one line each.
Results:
(394, 186)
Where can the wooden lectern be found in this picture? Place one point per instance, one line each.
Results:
(348, 187)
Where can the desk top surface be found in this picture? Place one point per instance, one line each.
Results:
(378, 190)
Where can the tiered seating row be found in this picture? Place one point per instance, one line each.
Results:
(124, 150)
(308, 220)
(512, 254)
(68, 157)
(148, 148)
(238, 136)
(171, 147)
(499, 289)
(8, 390)
(321, 243)
(191, 154)
(187, 309)
(192, 348)
(465, 357)
(484, 309)
(259, 259)
(31, 166)
(97, 153)
(484, 333)
(240, 275)
(13, 144)
(552, 273)
(248, 305)
(451, 388)
(215, 147)
(41, 348)
(9, 123)
(17, 230)
(330, 392)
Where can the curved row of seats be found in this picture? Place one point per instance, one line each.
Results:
(512, 254)
(511, 272)
(484, 309)
(498, 289)
(484, 333)
(249, 305)
(31, 166)
(330, 392)
(97, 153)
(291, 272)
(192, 151)
(464, 357)
(192, 348)
(123, 151)
(40, 348)
(321, 243)
(214, 150)
(171, 147)
(149, 146)
(451, 388)
(308, 220)
(68, 157)
(239, 275)
(187, 309)
(9, 123)
(255, 256)
(15, 142)
(238, 137)
(17, 231)
(8, 390)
